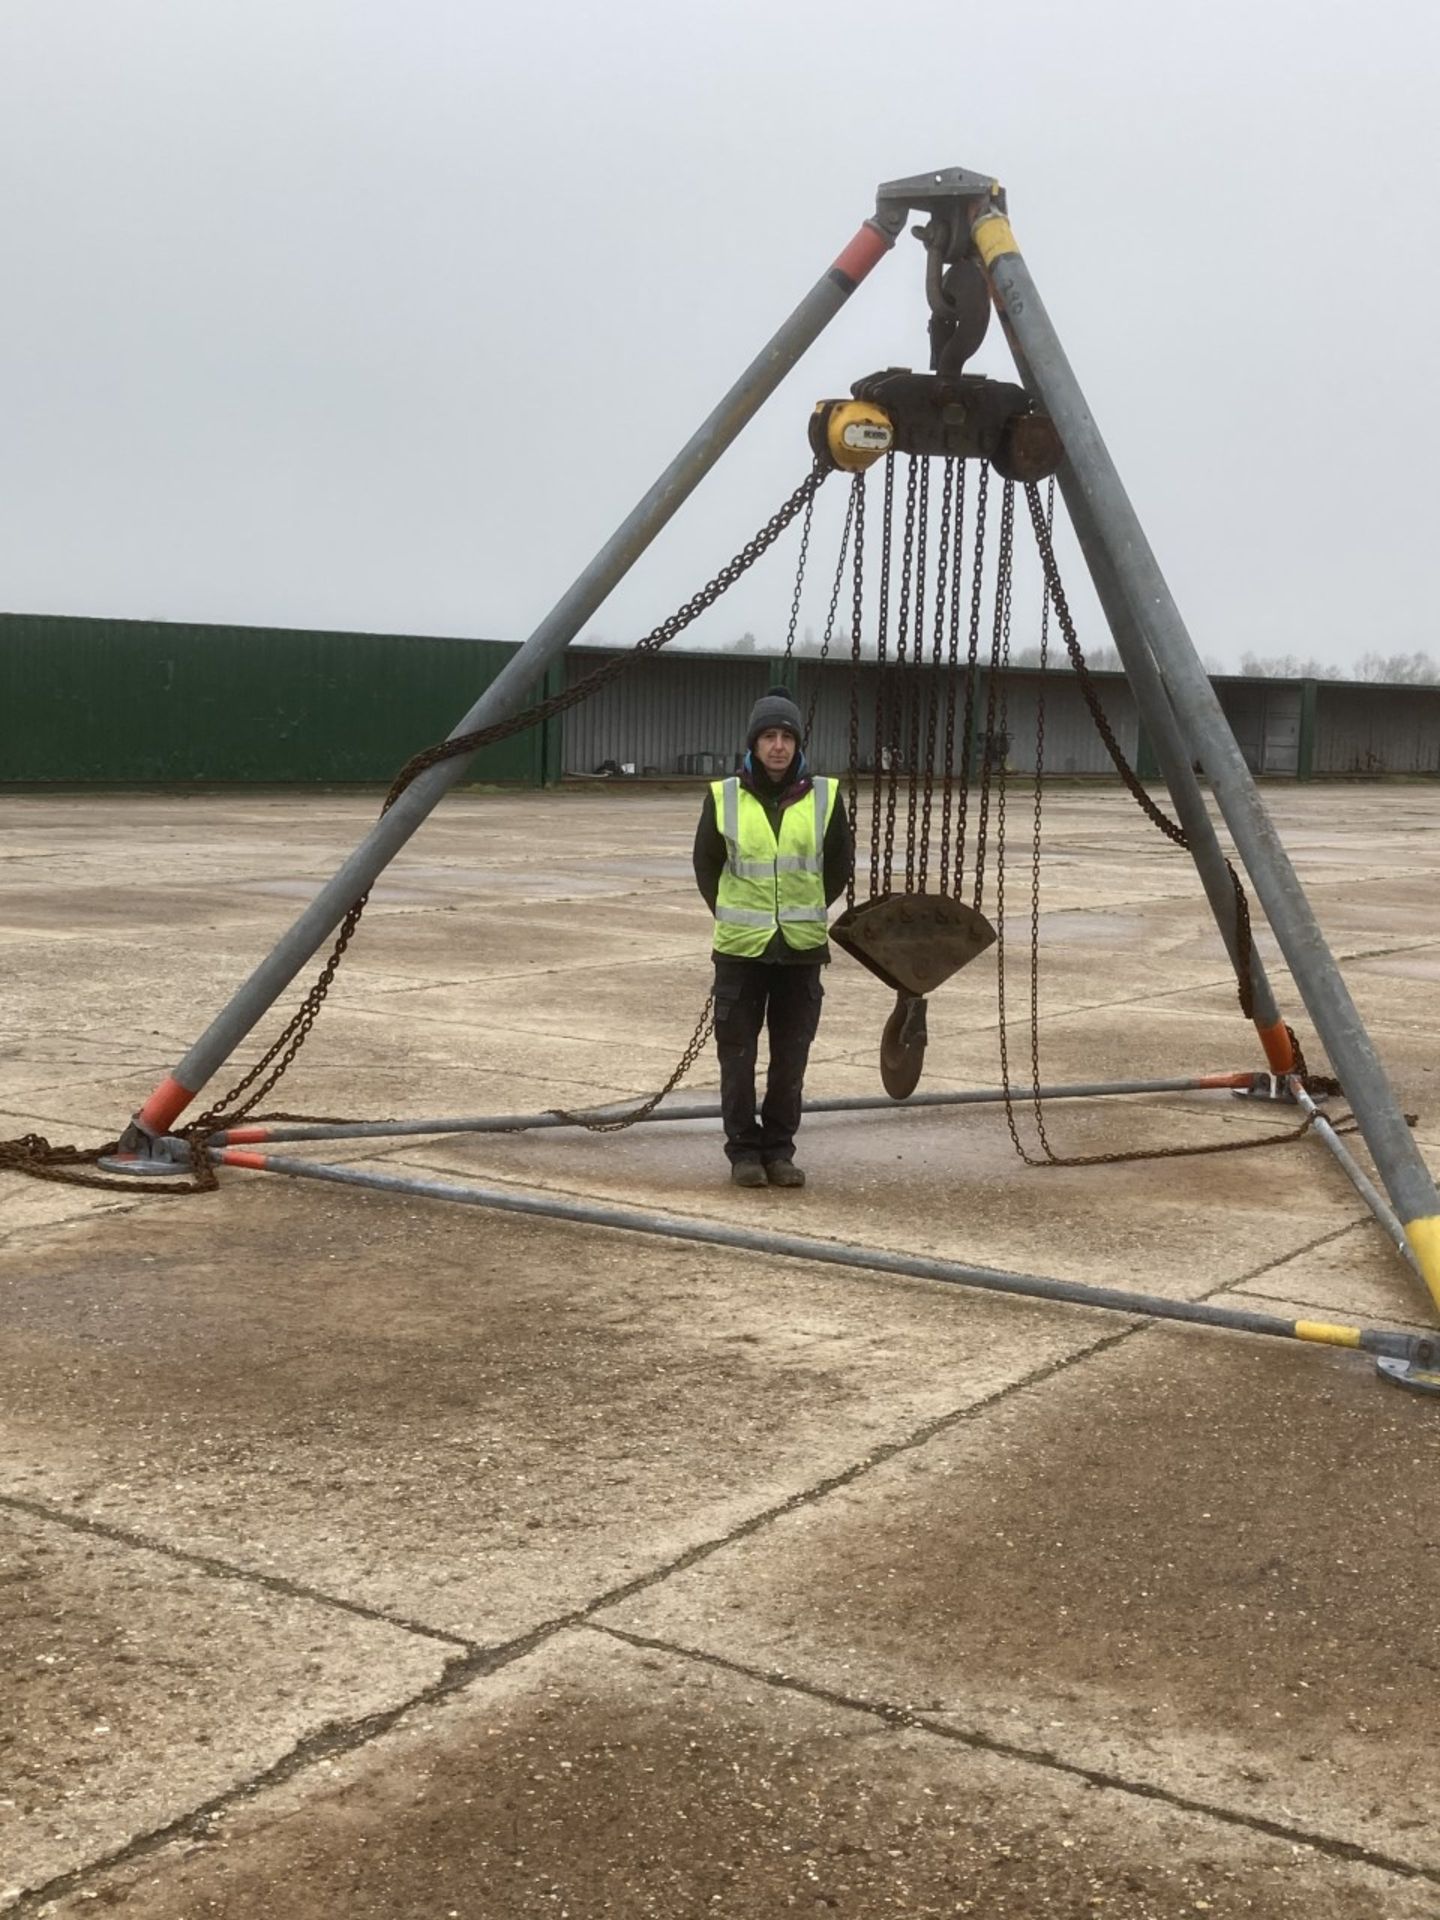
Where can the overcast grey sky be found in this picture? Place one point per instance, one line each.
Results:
(342, 313)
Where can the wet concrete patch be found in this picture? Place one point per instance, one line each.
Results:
(949, 1183)
(1257, 1632)
(138, 1686)
(596, 1779)
(463, 1419)
(339, 1392)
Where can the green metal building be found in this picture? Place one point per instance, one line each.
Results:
(142, 702)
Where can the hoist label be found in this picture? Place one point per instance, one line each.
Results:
(866, 436)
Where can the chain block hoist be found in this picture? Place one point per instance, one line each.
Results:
(910, 937)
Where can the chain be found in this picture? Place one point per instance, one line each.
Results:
(34, 1155)
(857, 629)
(902, 641)
(835, 587)
(972, 660)
(283, 1051)
(999, 635)
(38, 1157)
(918, 677)
(952, 664)
(932, 710)
(1055, 594)
(1042, 520)
(799, 578)
(704, 1027)
(882, 695)
(1035, 839)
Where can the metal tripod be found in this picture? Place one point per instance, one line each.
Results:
(1177, 704)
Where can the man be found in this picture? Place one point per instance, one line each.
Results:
(772, 852)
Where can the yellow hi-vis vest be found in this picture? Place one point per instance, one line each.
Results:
(769, 883)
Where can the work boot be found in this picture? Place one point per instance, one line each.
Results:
(747, 1173)
(784, 1173)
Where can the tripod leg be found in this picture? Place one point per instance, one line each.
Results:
(509, 692)
(1152, 609)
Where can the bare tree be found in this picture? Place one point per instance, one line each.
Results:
(1285, 666)
(1399, 669)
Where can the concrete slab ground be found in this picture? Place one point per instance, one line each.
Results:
(423, 1560)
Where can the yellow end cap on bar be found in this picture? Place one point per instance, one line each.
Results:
(1327, 1335)
(1424, 1238)
(993, 237)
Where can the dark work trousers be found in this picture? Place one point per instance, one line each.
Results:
(750, 994)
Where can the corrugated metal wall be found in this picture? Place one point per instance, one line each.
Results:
(1376, 729)
(683, 713)
(1264, 716)
(139, 702)
(662, 710)
(129, 702)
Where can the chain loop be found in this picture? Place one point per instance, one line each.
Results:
(880, 879)
(857, 630)
(972, 661)
(34, 1155)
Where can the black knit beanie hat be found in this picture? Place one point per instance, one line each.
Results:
(774, 708)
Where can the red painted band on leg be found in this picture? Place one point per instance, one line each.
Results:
(868, 246)
(1279, 1048)
(168, 1100)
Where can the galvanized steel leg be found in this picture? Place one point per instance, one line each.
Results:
(1158, 719)
(512, 688)
(1148, 601)
(1410, 1350)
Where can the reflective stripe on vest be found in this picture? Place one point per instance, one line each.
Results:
(769, 882)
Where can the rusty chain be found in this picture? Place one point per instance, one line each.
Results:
(902, 644)
(857, 630)
(1170, 828)
(999, 637)
(617, 1123)
(972, 663)
(836, 584)
(1042, 520)
(917, 679)
(932, 710)
(33, 1154)
(952, 668)
(882, 641)
(799, 578)
(289, 1043)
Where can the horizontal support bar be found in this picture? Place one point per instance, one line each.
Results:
(1355, 1174)
(710, 1110)
(791, 1246)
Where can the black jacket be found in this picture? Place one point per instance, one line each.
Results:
(837, 855)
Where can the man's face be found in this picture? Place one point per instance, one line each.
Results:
(775, 749)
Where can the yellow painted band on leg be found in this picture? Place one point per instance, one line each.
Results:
(1327, 1335)
(992, 236)
(1424, 1238)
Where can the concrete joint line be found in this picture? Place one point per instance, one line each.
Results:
(1279, 1259)
(329, 1740)
(898, 1716)
(471, 1661)
(226, 1570)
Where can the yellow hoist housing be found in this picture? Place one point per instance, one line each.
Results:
(852, 434)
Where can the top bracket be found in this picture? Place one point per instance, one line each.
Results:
(948, 190)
